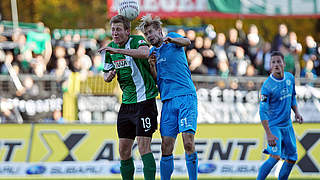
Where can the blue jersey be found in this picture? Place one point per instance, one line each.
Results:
(173, 74)
(277, 98)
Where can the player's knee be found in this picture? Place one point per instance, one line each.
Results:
(189, 146)
(276, 157)
(125, 153)
(166, 148)
(290, 161)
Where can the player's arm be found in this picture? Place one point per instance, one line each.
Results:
(108, 69)
(142, 52)
(152, 61)
(294, 106)
(181, 41)
(264, 117)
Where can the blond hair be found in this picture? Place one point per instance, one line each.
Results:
(148, 21)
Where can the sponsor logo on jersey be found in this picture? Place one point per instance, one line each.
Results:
(121, 63)
(263, 98)
(141, 42)
(288, 82)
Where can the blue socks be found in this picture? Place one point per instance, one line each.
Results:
(166, 167)
(266, 168)
(192, 165)
(285, 170)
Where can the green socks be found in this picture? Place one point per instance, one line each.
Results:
(149, 166)
(127, 169)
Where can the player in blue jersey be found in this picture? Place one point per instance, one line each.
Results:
(277, 100)
(178, 94)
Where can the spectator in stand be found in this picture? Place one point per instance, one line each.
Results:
(295, 49)
(311, 53)
(198, 44)
(7, 59)
(191, 34)
(255, 43)
(6, 112)
(282, 38)
(97, 66)
(209, 59)
(38, 66)
(219, 48)
(309, 71)
(251, 71)
(61, 72)
(232, 43)
(181, 32)
(241, 33)
(2, 37)
(30, 89)
(288, 59)
(59, 52)
(263, 59)
(238, 64)
(195, 62)
(40, 43)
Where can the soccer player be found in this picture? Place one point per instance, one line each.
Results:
(127, 57)
(178, 94)
(277, 100)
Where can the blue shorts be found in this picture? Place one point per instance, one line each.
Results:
(179, 114)
(286, 146)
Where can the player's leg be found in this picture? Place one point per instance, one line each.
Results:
(289, 151)
(275, 154)
(169, 130)
(146, 126)
(267, 166)
(286, 169)
(126, 161)
(190, 155)
(188, 112)
(166, 162)
(126, 139)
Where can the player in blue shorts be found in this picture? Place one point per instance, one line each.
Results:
(178, 94)
(277, 100)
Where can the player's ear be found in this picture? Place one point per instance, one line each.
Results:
(128, 32)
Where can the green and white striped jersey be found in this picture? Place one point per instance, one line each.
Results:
(133, 74)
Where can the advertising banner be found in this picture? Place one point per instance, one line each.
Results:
(231, 150)
(222, 9)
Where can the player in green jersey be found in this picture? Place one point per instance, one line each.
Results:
(127, 57)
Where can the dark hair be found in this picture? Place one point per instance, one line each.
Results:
(277, 53)
(121, 19)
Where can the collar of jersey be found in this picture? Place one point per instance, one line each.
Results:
(278, 80)
(158, 47)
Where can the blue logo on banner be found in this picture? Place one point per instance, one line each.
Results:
(115, 169)
(206, 168)
(36, 169)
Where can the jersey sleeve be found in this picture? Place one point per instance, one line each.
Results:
(264, 103)
(139, 41)
(106, 58)
(175, 35)
(294, 101)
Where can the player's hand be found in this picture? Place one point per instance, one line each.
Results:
(272, 140)
(167, 40)
(109, 75)
(299, 118)
(152, 59)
